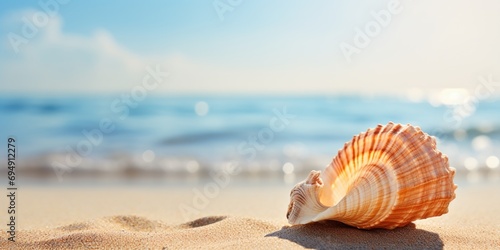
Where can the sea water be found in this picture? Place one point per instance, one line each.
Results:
(269, 134)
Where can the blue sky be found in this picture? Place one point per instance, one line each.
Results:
(259, 47)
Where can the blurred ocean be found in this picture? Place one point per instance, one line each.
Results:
(263, 135)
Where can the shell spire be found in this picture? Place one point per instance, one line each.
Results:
(385, 177)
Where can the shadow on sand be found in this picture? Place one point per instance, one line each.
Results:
(335, 235)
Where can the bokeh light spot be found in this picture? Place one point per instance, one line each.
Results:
(192, 166)
(201, 108)
(288, 168)
(481, 142)
(470, 163)
(492, 162)
(148, 156)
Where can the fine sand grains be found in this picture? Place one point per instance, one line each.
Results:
(247, 218)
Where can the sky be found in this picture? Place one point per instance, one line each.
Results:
(250, 47)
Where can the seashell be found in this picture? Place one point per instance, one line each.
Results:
(385, 177)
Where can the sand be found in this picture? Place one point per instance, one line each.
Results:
(238, 216)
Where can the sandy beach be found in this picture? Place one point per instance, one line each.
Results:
(244, 217)
(189, 124)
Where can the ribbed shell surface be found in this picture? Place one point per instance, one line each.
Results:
(387, 177)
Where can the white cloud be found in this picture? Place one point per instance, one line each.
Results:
(427, 46)
(53, 61)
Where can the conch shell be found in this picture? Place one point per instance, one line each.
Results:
(385, 177)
